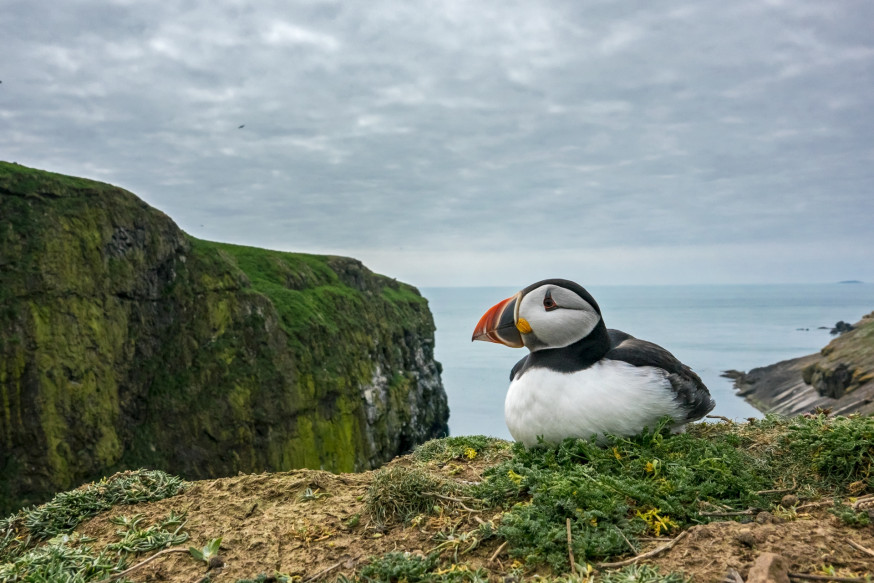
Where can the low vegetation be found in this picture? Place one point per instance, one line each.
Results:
(38, 544)
(445, 514)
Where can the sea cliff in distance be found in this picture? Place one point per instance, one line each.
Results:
(840, 378)
(126, 343)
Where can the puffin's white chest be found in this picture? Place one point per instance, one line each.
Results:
(610, 396)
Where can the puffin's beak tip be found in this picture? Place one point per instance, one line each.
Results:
(497, 325)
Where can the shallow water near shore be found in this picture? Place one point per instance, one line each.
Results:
(712, 328)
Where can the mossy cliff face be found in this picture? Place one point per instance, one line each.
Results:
(126, 343)
(846, 364)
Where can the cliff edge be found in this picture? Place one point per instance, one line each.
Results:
(126, 343)
(839, 378)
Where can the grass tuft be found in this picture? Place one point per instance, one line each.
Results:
(400, 494)
(642, 574)
(135, 539)
(840, 450)
(466, 447)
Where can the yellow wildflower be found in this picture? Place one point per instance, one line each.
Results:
(655, 522)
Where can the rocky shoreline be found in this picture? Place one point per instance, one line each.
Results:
(840, 378)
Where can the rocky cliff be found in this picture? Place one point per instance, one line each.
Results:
(839, 378)
(125, 343)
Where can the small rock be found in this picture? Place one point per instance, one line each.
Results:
(765, 517)
(769, 568)
(746, 538)
(788, 500)
(841, 327)
(215, 562)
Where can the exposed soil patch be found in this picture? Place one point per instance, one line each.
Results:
(268, 525)
(808, 544)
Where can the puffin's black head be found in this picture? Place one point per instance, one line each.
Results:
(552, 313)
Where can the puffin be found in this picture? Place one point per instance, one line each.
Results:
(581, 379)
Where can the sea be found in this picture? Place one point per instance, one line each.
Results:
(711, 328)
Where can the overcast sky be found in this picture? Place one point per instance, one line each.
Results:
(471, 143)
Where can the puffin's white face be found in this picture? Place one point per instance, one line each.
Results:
(552, 316)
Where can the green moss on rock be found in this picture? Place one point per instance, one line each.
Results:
(126, 343)
(846, 364)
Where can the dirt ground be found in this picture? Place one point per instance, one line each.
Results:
(268, 524)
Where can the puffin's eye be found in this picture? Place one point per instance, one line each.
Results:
(549, 303)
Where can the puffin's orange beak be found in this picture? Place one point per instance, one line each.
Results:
(498, 324)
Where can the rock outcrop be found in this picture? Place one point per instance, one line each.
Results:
(126, 343)
(839, 378)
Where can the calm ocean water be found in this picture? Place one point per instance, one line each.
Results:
(710, 328)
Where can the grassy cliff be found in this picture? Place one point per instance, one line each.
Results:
(125, 342)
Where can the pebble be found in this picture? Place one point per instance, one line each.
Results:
(769, 568)
(746, 538)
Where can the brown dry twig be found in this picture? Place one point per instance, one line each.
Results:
(456, 500)
(857, 546)
(140, 564)
(622, 534)
(778, 490)
(323, 572)
(498, 552)
(570, 548)
(815, 504)
(747, 512)
(646, 555)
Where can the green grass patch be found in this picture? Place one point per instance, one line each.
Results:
(657, 484)
(62, 558)
(138, 539)
(652, 484)
(67, 510)
(69, 557)
(466, 447)
(839, 450)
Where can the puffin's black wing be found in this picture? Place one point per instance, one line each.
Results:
(691, 392)
(518, 367)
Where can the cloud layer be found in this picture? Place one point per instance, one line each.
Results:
(478, 143)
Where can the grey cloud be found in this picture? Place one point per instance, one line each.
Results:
(458, 127)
